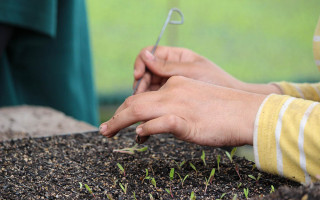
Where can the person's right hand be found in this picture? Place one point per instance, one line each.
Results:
(172, 61)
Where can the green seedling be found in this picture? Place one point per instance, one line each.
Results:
(153, 182)
(235, 197)
(193, 167)
(246, 192)
(209, 180)
(218, 162)
(151, 197)
(131, 150)
(254, 178)
(231, 154)
(89, 190)
(169, 191)
(179, 165)
(134, 195)
(239, 185)
(182, 180)
(124, 187)
(121, 169)
(272, 189)
(253, 167)
(80, 185)
(203, 158)
(222, 196)
(192, 196)
(171, 175)
(146, 177)
(109, 196)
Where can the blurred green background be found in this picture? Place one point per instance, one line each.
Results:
(255, 41)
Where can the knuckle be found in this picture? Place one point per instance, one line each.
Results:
(128, 101)
(137, 110)
(172, 122)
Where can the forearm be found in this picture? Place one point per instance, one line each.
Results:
(287, 137)
(6, 32)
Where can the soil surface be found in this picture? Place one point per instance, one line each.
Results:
(36, 121)
(58, 167)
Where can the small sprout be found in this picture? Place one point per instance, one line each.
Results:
(253, 167)
(171, 174)
(182, 180)
(192, 196)
(134, 195)
(121, 169)
(151, 197)
(142, 149)
(131, 150)
(146, 177)
(203, 158)
(272, 189)
(237, 170)
(109, 196)
(254, 178)
(153, 182)
(239, 185)
(209, 180)
(231, 154)
(80, 185)
(246, 192)
(222, 196)
(179, 165)
(193, 167)
(89, 189)
(124, 188)
(235, 197)
(169, 191)
(218, 162)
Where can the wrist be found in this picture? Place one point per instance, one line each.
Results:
(266, 89)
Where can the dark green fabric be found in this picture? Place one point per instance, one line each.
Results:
(48, 60)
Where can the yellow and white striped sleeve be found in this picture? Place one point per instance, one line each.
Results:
(309, 91)
(287, 137)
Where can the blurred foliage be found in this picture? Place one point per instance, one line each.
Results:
(256, 41)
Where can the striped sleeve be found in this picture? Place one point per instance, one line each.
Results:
(287, 137)
(309, 91)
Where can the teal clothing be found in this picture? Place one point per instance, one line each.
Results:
(48, 61)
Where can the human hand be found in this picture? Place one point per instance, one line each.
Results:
(192, 111)
(173, 61)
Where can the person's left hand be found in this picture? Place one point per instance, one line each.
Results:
(193, 111)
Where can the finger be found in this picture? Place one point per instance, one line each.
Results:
(143, 85)
(165, 68)
(164, 124)
(129, 116)
(139, 65)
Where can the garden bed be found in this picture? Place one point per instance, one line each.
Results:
(58, 167)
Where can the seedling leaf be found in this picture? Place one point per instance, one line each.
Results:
(246, 192)
(218, 162)
(193, 167)
(124, 188)
(192, 196)
(80, 185)
(142, 149)
(252, 177)
(222, 196)
(89, 189)
(203, 158)
(171, 174)
(235, 197)
(121, 168)
(151, 197)
(153, 182)
(168, 191)
(272, 189)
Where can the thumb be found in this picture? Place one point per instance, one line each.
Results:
(162, 67)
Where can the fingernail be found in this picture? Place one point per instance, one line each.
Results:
(149, 55)
(103, 128)
(139, 130)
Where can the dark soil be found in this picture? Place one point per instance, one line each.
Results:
(52, 167)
